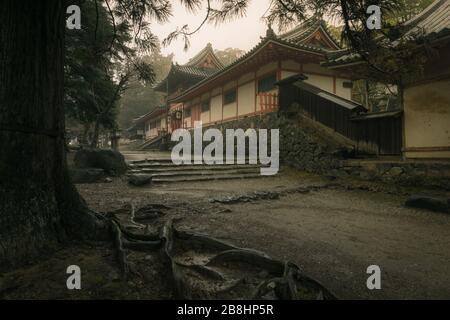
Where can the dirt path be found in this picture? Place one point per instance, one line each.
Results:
(333, 234)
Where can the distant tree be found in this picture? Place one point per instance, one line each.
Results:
(383, 97)
(97, 70)
(408, 10)
(336, 31)
(139, 97)
(388, 64)
(229, 55)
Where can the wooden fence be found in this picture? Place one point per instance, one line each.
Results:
(378, 133)
(268, 102)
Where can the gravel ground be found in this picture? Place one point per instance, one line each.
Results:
(333, 234)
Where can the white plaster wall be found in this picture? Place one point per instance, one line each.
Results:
(427, 118)
(205, 117)
(323, 82)
(341, 91)
(315, 68)
(246, 98)
(229, 110)
(216, 108)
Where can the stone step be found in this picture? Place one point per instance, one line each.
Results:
(164, 161)
(188, 173)
(149, 143)
(164, 168)
(176, 179)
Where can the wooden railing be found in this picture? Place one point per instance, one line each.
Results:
(268, 102)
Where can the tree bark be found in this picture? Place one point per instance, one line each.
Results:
(85, 138)
(39, 206)
(96, 133)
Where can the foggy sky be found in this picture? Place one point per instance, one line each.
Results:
(243, 33)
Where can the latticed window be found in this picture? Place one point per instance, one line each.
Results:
(230, 97)
(205, 106)
(267, 84)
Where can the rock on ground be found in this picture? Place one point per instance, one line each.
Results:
(430, 203)
(139, 180)
(111, 161)
(88, 175)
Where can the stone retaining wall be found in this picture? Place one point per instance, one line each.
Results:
(427, 174)
(309, 146)
(301, 145)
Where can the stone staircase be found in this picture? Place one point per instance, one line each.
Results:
(149, 144)
(164, 171)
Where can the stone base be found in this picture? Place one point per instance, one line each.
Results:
(434, 175)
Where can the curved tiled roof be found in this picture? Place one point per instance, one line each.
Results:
(432, 24)
(208, 50)
(194, 71)
(342, 57)
(156, 111)
(302, 32)
(249, 54)
(294, 38)
(191, 69)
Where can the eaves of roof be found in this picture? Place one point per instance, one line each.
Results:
(248, 55)
(155, 112)
(307, 29)
(199, 56)
(189, 72)
(377, 115)
(431, 25)
(435, 19)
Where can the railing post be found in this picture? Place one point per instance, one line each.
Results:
(266, 99)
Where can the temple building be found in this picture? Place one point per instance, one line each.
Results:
(153, 124)
(181, 78)
(427, 99)
(425, 131)
(206, 90)
(247, 88)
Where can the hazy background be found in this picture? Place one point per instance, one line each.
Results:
(243, 33)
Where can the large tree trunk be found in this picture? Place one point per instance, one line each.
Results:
(95, 135)
(39, 207)
(85, 138)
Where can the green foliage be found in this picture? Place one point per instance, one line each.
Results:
(229, 55)
(407, 10)
(376, 96)
(99, 64)
(90, 69)
(139, 97)
(387, 61)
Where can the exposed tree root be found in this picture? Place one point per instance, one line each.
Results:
(248, 256)
(120, 251)
(274, 195)
(202, 267)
